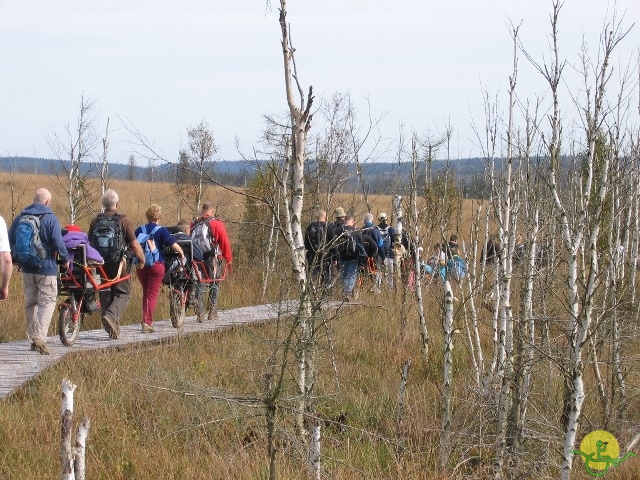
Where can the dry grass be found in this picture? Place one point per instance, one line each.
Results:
(163, 411)
(141, 430)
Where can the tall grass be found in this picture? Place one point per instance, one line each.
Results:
(192, 409)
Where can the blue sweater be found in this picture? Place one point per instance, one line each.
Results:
(163, 237)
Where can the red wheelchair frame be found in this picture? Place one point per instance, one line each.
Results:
(183, 276)
(77, 283)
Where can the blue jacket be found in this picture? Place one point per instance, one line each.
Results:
(50, 236)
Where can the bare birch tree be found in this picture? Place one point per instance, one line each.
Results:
(581, 229)
(74, 151)
(293, 189)
(103, 172)
(202, 150)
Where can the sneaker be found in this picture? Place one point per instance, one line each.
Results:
(146, 328)
(111, 327)
(40, 347)
(213, 314)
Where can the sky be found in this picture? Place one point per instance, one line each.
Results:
(164, 66)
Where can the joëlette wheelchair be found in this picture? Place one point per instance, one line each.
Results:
(182, 276)
(80, 283)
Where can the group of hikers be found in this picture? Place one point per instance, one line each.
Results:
(376, 250)
(41, 247)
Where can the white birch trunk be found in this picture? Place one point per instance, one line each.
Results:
(399, 224)
(507, 240)
(80, 449)
(447, 381)
(314, 454)
(473, 332)
(66, 453)
(424, 332)
(104, 167)
(581, 329)
(300, 118)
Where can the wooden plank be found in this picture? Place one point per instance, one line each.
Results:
(18, 364)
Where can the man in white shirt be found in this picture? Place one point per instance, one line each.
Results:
(5, 260)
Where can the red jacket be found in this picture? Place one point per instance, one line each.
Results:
(219, 233)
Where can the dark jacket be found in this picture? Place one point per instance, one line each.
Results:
(50, 236)
(315, 239)
(334, 229)
(358, 236)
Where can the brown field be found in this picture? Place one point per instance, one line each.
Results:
(164, 411)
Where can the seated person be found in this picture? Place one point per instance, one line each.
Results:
(437, 262)
(182, 231)
(452, 248)
(73, 236)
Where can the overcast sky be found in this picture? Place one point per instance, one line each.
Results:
(167, 65)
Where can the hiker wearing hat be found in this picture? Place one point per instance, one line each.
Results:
(385, 252)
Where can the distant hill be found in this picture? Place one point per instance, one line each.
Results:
(381, 176)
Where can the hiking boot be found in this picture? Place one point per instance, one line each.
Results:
(111, 327)
(200, 316)
(213, 314)
(39, 346)
(91, 307)
(346, 299)
(146, 328)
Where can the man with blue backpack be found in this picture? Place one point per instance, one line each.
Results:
(35, 237)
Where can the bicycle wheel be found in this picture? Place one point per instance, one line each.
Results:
(176, 308)
(67, 328)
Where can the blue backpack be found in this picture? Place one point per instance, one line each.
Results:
(28, 249)
(146, 240)
(457, 268)
(386, 240)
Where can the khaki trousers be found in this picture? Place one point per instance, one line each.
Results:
(40, 296)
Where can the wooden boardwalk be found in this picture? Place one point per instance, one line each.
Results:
(18, 364)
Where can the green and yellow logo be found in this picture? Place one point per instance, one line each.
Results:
(600, 452)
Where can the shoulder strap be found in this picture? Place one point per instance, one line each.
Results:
(144, 229)
(155, 229)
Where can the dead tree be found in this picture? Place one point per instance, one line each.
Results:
(506, 216)
(202, 149)
(447, 381)
(103, 172)
(580, 229)
(293, 196)
(72, 459)
(74, 151)
(424, 332)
